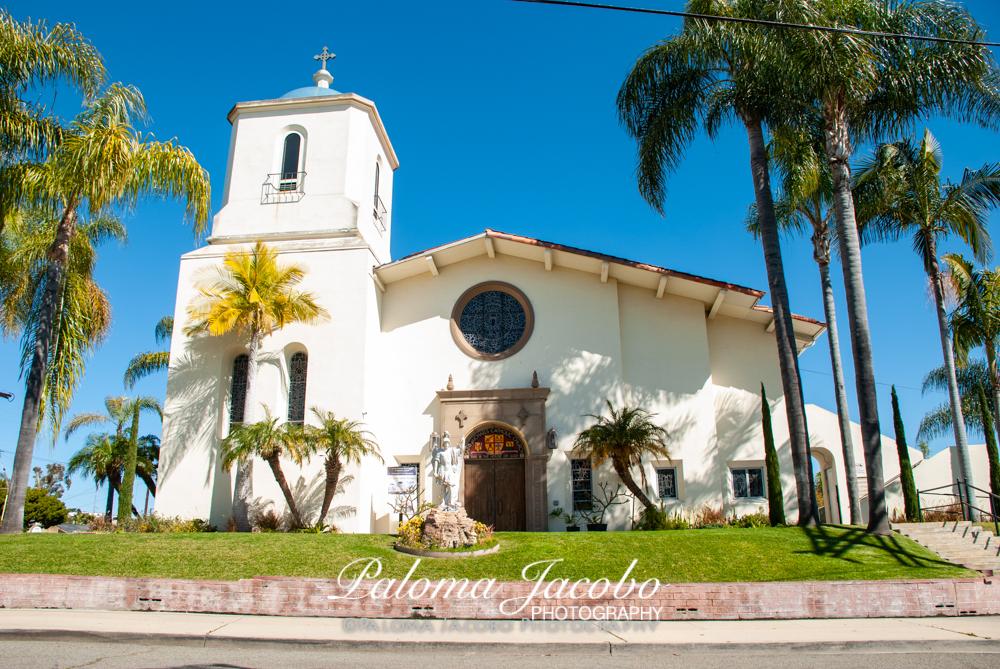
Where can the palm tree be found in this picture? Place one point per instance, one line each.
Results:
(84, 317)
(866, 88)
(975, 321)
(805, 203)
(31, 55)
(268, 440)
(342, 441)
(150, 362)
(102, 458)
(708, 74)
(624, 437)
(902, 187)
(939, 421)
(101, 162)
(121, 412)
(253, 297)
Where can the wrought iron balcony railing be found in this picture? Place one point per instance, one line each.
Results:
(283, 187)
(380, 213)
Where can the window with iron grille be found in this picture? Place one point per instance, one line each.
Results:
(297, 367)
(748, 482)
(666, 482)
(582, 485)
(238, 390)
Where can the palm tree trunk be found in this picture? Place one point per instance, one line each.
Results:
(838, 149)
(55, 275)
(788, 359)
(128, 471)
(110, 507)
(275, 463)
(840, 392)
(954, 397)
(150, 483)
(333, 467)
(633, 487)
(243, 493)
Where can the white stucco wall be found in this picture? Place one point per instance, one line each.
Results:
(383, 356)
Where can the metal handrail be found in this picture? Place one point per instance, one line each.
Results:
(965, 505)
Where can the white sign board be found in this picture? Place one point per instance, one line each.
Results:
(402, 479)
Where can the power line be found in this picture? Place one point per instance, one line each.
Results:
(877, 383)
(761, 22)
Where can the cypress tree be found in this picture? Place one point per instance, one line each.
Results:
(775, 496)
(911, 503)
(991, 443)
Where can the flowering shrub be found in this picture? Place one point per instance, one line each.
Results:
(411, 532)
(484, 532)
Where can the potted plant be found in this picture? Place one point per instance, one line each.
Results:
(599, 505)
(568, 519)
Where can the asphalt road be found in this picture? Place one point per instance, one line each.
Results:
(66, 654)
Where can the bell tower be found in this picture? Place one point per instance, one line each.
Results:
(314, 163)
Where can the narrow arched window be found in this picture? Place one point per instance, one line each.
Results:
(297, 367)
(238, 390)
(377, 175)
(290, 162)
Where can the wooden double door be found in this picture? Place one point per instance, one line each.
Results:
(494, 492)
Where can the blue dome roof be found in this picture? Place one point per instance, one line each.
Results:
(309, 92)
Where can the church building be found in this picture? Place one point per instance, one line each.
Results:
(504, 342)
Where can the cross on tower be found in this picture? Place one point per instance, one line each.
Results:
(324, 56)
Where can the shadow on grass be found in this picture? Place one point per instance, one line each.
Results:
(840, 544)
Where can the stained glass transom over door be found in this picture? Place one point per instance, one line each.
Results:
(493, 322)
(493, 442)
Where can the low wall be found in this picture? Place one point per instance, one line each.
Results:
(507, 600)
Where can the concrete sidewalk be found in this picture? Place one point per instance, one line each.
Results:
(214, 629)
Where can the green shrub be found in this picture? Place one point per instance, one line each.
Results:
(41, 507)
(656, 518)
(759, 519)
(652, 518)
(153, 524)
(265, 521)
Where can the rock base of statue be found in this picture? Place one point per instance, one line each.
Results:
(449, 529)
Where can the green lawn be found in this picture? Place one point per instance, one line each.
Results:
(770, 554)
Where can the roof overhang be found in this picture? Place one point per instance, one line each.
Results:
(719, 297)
(319, 102)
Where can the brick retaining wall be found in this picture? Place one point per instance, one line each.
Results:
(685, 601)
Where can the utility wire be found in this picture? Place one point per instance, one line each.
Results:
(761, 22)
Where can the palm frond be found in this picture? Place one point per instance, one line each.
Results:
(164, 329)
(145, 364)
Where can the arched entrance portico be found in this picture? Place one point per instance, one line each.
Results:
(519, 481)
(494, 477)
(825, 478)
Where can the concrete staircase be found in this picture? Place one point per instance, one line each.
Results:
(959, 542)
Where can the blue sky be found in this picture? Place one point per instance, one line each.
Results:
(503, 117)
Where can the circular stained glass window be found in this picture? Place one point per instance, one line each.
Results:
(492, 321)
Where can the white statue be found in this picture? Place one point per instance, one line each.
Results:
(447, 468)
